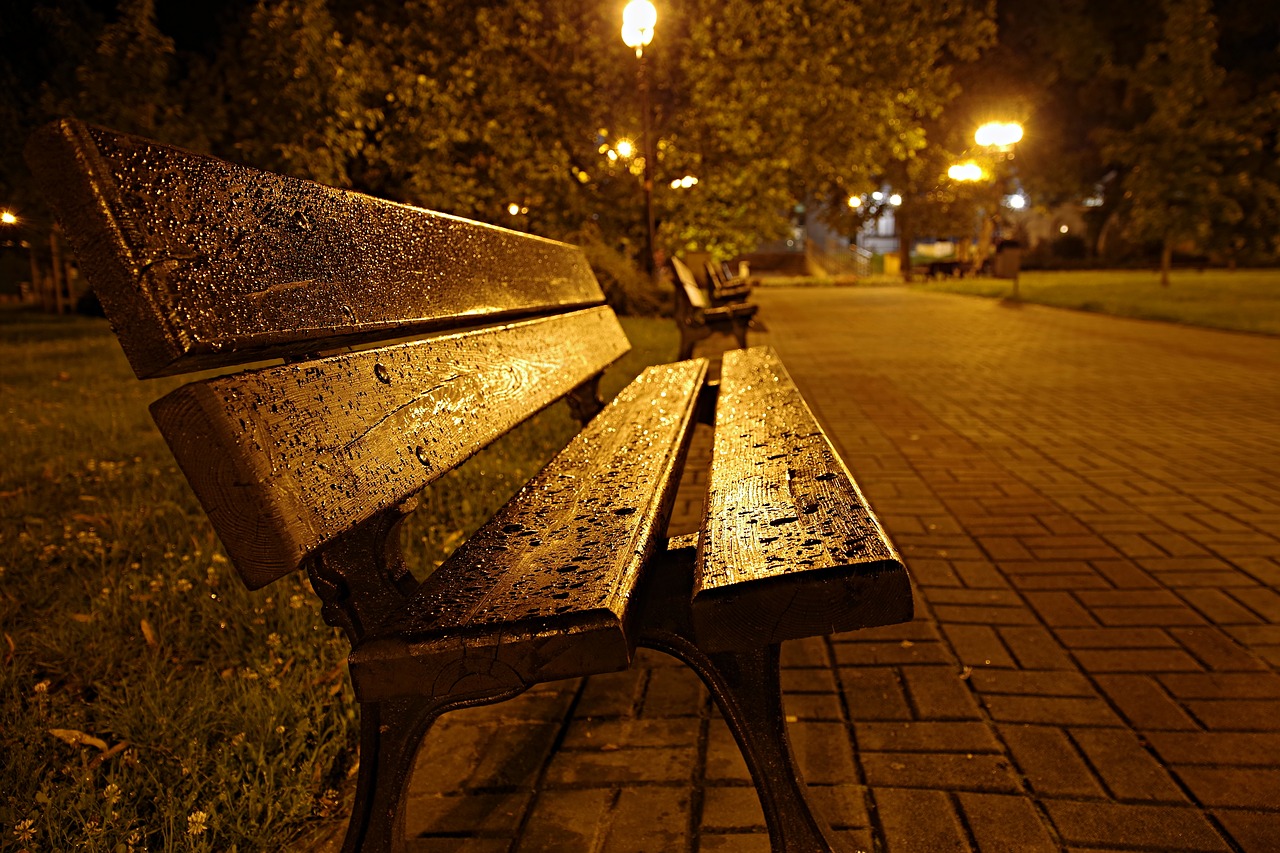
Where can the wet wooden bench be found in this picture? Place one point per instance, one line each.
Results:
(698, 318)
(724, 287)
(312, 463)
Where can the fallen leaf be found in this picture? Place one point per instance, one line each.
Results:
(82, 617)
(77, 738)
(149, 634)
(12, 493)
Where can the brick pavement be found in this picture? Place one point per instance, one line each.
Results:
(1091, 511)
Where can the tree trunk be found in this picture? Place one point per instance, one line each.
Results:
(1166, 260)
(905, 239)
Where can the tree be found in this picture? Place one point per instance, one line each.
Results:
(1180, 183)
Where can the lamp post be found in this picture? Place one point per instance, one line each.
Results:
(638, 21)
(998, 139)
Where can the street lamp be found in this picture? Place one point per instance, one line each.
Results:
(638, 21)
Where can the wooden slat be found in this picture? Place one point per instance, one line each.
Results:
(544, 590)
(789, 547)
(285, 458)
(201, 263)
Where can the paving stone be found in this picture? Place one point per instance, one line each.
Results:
(1216, 685)
(1158, 827)
(1216, 649)
(1060, 609)
(1136, 660)
(1035, 648)
(1241, 787)
(1247, 715)
(1220, 748)
(1050, 710)
(731, 808)
(567, 820)
(457, 814)
(457, 755)
(1125, 767)
(824, 752)
(673, 692)
(926, 737)
(1031, 683)
(621, 766)
(939, 693)
(648, 820)
(630, 732)
(978, 645)
(917, 820)
(948, 771)
(1144, 703)
(874, 693)
(1115, 638)
(1255, 832)
(1003, 823)
(1050, 761)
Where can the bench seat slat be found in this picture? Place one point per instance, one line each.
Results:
(202, 263)
(790, 547)
(544, 589)
(285, 458)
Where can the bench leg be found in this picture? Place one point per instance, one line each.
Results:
(746, 686)
(390, 733)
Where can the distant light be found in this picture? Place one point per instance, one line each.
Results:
(854, 201)
(7, 217)
(625, 148)
(1017, 202)
(998, 134)
(895, 199)
(638, 20)
(612, 155)
(1063, 229)
(683, 183)
(675, 185)
(969, 171)
(513, 209)
(877, 196)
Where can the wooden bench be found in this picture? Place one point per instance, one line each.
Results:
(724, 287)
(313, 462)
(699, 319)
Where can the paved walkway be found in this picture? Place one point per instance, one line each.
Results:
(1090, 508)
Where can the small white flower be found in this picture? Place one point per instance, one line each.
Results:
(24, 830)
(196, 823)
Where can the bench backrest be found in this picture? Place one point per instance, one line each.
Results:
(200, 263)
(687, 289)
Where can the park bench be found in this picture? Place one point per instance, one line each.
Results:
(698, 318)
(724, 287)
(405, 340)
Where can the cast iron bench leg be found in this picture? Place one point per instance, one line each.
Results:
(746, 686)
(390, 733)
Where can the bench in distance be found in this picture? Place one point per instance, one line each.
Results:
(698, 318)
(313, 462)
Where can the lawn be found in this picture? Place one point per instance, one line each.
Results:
(1240, 300)
(147, 700)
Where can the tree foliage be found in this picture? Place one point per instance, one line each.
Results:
(470, 107)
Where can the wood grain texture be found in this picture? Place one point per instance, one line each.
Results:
(544, 590)
(285, 458)
(789, 546)
(202, 263)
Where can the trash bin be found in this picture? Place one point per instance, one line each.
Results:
(1008, 260)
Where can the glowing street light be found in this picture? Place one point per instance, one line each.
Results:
(895, 200)
(855, 201)
(970, 171)
(7, 217)
(626, 148)
(998, 134)
(638, 21)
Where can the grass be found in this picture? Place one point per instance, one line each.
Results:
(147, 700)
(1240, 300)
